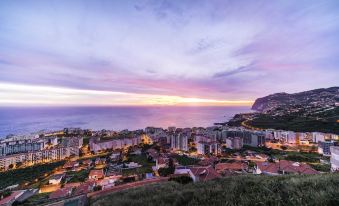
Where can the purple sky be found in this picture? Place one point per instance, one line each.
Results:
(166, 52)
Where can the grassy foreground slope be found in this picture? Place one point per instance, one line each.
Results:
(239, 190)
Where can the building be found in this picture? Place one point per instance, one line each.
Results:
(334, 158)
(318, 137)
(179, 142)
(31, 158)
(206, 145)
(230, 168)
(161, 162)
(8, 201)
(234, 143)
(203, 173)
(283, 167)
(56, 179)
(96, 174)
(21, 146)
(256, 139)
(96, 144)
(324, 148)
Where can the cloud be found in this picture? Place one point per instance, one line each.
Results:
(234, 71)
(195, 49)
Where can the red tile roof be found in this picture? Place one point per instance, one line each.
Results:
(97, 173)
(84, 188)
(208, 161)
(204, 173)
(236, 166)
(61, 193)
(295, 167)
(10, 198)
(268, 167)
(286, 167)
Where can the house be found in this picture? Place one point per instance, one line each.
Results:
(284, 167)
(56, 179)
(161, 162)
(96, 174)
(115, 156)
(84, 188)
(27, 194)
(87, 162)
(290, 167)
(152, 154)
(267, 168)
(208, 161)
(203, 173)
(109, 182)
(71, 165)
(131, 165)
(61, 193)
(136, 152)
(99, 161)
(230, 168)
(149, 176)
(9, 200)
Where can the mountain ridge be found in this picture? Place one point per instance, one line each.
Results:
(317, 98)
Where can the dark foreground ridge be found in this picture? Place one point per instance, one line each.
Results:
(238, 190)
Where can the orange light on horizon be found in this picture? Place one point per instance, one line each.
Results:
(18, 94)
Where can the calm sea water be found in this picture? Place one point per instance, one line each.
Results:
(15, 120)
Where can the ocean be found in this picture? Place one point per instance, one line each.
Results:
(20, 121)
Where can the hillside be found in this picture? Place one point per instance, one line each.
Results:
(309, 101)
(309, 111)
(238, 190)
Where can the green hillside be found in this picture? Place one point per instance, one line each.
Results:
(239, 190)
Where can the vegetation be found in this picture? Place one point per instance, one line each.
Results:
(295, 122)
(322, 167)
(236, 190)
(141, 160)
(37, 199)
(79, 176)
(308, 157)
(167, 170)
(5, 193)
(301, 158)
(27, 175)
(181, 179)
(185, 160)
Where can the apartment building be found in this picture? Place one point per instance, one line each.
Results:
(97, 144)
(179, 142)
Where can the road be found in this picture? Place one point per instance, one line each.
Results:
(126, 186)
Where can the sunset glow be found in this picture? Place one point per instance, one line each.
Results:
(18, 94)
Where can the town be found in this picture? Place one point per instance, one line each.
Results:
(71, 166)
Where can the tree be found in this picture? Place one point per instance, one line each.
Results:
(97, 188)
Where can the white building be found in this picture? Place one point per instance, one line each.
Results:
(318, 137)
(206, 145)
(334, 158)
(179, 142)
(97, 145)
(234, 143)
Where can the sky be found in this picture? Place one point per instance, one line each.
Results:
(170, 52)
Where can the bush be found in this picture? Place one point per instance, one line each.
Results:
(182, 179)
(237, 190)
